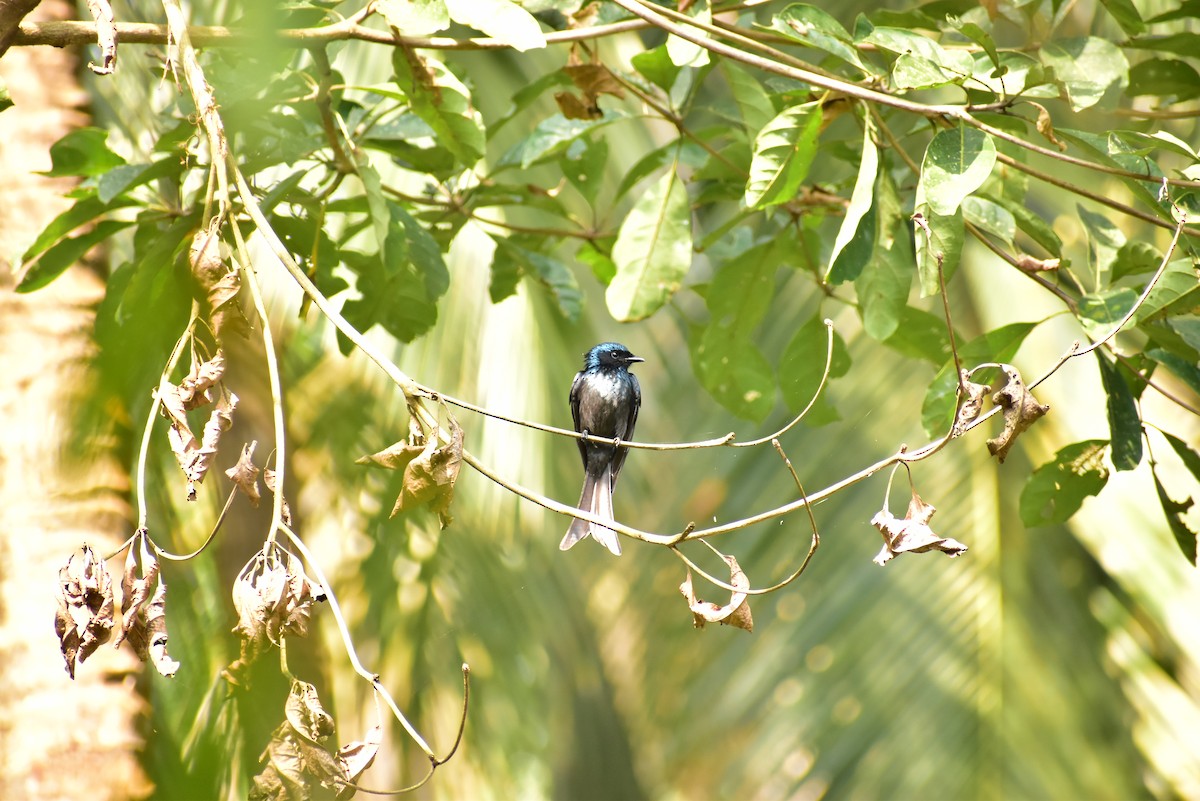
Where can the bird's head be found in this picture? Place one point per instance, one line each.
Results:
(610, 355)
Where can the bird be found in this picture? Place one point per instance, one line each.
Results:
(605, 398)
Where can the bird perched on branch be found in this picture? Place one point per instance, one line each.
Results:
(605, 398)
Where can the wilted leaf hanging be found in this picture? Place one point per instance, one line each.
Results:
(84, 619)
(912, 534)
(971, 406)
(430, 469)
(144, 624)
(735, 613)
(298, 766)
(1021, 409)
(219, 282)
(285, 510)
(244, 474)
(273, 597)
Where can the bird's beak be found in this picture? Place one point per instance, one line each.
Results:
(633, 359)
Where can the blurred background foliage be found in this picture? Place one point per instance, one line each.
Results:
(1053, 662)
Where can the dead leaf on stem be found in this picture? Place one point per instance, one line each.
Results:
(971, 405)
(735, 613)
(912, 534)
(244, 474)
(144, 617)
(430, 469)
(1021, 410)
(273, 597)
(219, 282)
(298, 766)
(84, 620)
(285, 510)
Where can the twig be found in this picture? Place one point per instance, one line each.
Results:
(816, 394)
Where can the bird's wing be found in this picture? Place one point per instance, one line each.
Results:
(619, 459)
(575, 387)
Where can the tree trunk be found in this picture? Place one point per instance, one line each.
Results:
(58, 738)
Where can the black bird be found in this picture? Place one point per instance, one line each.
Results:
(605, 399)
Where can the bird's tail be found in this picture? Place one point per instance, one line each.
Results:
(597, 499)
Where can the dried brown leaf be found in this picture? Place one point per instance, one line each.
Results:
(356, 756)
(244, 474)
(1021, 410)
(1031, 265)
(195, 386)
(574, 107)
(1045, 126)
(594, 80)
(272, 598)
(430, 477)
(735, 613)
(135, 586)
(912, 534)
(84, 619)
(306, 714)
(296, 769)
(971, 406)
(394, 457)
(285, 511)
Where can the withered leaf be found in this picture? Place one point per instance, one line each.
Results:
(193, 389)
(306, 714)
(244, 474)
(912, 534)
(971, 405)
(196, 457)
(1045, 126)
(594, 80)
(272, 597)
(296, 769)
(735, 613)
(1021, 410)
(144, 624)
(285, 510)
(84, 619)
(1030, 264)
(355, 757)
(394, 457)
(204, 256)
(575, 108)
(430, 477)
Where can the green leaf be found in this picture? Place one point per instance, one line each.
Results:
(443, 102)
(861, 201)
(752, 100)
(735, 373)
(599, 262)
(1126, 15)
(1099, 312)
(1032, 225)
(957, 162)
(783, 151)
(415, 17)
(1177, 290)
(5, 98)
(546, 271)
(656, 66)
(979, 36)
(85, 210)
(938, 240)
(1123, 421)
(1185, 370)
(1104, 239)
(1135, 257)
(1181, 44)
(1018, 74)
(502, 20)
(1164, 77)
(1087, 67)
(742, 289)
(814, 27)
(550, 138)
(688, 54)
(1000, 345)
(83, 152)
(1189, 457)
(801, 368)
(653, 251)
(1056, 490)
(584, 165)
(56, 259)
(921, 62)
(1175, 512)
(920, 335)
(990, 216)
(884, 284)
